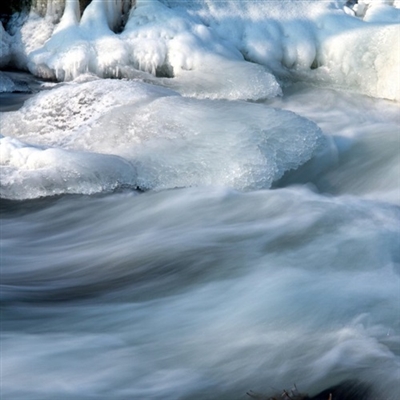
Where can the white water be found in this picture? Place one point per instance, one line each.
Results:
(265, 248)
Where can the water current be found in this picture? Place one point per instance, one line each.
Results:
(199, 236)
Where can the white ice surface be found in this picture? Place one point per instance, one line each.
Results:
(172, 141)
(29, 172)
(382, 12)
(203, 45)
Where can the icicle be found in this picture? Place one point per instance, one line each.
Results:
(112, 14)
(94, 18)
(70, 17)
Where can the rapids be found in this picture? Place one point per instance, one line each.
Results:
(200, 200)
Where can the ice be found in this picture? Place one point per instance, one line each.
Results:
(202, 142)
(236, 81)
(364, 58)
(171, 140)
(383, 13)
(29, 35)
(77, 47)
(29, 172)
(156, 40)
(60, 116)
(170, 42)
(208, 47)
(312, 41)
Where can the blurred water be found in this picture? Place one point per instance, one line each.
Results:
(208, 292)
(198, 293)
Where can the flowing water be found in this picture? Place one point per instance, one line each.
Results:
(159, 241)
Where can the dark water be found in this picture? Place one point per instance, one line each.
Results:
(12, 102)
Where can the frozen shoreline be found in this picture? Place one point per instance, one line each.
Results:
(206, 48)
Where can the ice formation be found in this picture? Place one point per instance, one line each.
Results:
(216, 49)
(28, 172)
(167, 140)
